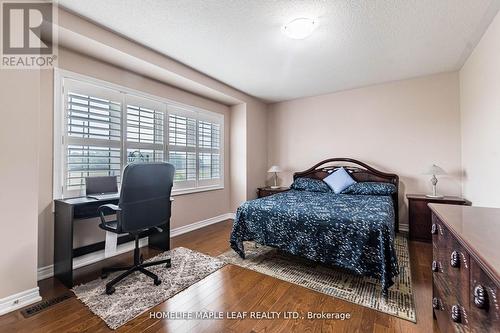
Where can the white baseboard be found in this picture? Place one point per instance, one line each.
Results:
(19, 300)
(48, 271)
(45, 272)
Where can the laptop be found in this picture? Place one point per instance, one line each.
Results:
(101, 188)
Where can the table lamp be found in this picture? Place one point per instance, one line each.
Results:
(275, 169)
(434, 170)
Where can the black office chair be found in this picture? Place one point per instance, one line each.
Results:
(144, 204)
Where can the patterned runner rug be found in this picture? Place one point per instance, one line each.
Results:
(334, 282)
(137, 293)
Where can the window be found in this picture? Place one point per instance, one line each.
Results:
(182, 146)
(145, 127)
(104, 127)
(92, 135)
(209, 151)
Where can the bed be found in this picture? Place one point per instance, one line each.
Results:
(354, 232)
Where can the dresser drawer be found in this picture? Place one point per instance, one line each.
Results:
(450, 314)
(439, 232)
(484, 301)
(438, 308)
(456, 268)
(450, 264)
(465, 279)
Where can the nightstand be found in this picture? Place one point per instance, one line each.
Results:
(420, 218)
(267, 191)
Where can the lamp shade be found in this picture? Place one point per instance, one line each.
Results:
(434, 170)
(274, 168)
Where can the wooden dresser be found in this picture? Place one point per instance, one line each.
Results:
(466, 268)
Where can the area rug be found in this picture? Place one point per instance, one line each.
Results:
(137, 293)
(334, 282)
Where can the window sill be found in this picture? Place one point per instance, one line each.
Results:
(185, 191)
(174, 193)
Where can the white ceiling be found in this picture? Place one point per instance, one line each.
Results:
(357, 43)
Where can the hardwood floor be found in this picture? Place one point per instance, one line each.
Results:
(231, 289)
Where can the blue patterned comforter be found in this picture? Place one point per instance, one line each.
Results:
(354, 232)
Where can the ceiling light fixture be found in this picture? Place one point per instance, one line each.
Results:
(300, 28)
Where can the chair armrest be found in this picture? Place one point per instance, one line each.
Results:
(107, 208)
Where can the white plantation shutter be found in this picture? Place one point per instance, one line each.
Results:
(92, 117)
(90, 161)
(195, 148)
(145, 140)
(182, 147)
(105, 127)
(92, 135)
(209, 156)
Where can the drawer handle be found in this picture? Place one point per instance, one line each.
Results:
(456, 316)
(435, 266)
(455, 259)
(436, 303)
(480, 297)
(434, 229)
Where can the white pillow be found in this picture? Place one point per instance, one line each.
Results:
(339, 180)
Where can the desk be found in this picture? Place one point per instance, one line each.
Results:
(66, 212)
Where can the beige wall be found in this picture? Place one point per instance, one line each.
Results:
(400, 127)
(45, 167)
(238, 158)
(208, 204)
(257, 145)
(480, 111)
(248, 151)
(19, 109)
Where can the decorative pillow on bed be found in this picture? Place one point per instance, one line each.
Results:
(371, 188)
(339, 180)
(311, 185)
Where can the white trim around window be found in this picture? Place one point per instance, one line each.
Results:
(99, 127)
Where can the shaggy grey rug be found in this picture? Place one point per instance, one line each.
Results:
(137, 293)
(334, 282)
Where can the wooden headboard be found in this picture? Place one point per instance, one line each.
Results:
(359, 171)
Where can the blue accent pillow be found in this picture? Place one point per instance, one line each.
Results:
(371, 188)
(311, 185)
(339, 180)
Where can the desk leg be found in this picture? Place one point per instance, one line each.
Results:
(63, 243)
(160, 240)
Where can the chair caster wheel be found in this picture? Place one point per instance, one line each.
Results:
(157, 282)
(104, 275)
(110, 290)
(141, 259)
